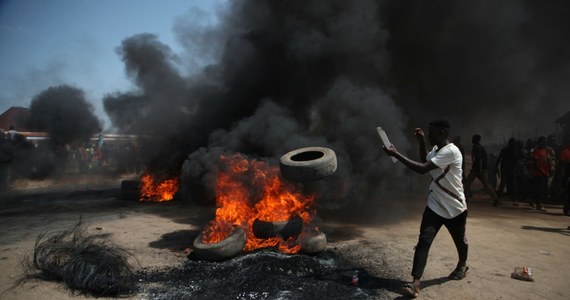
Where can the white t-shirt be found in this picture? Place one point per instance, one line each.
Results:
(12, 134)
(446, 197)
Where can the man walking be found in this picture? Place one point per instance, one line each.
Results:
(505, 168)
(479, 170)
(540, 171)
(565, 174)
(446, 203)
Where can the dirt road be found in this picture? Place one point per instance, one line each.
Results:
(380, 242)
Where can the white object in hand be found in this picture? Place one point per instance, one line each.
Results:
(385, 140)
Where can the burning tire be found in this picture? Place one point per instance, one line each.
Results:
(285, 229)
(313, 243)
(308, 164)
(226, 249)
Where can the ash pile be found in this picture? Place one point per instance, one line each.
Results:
(265, 274)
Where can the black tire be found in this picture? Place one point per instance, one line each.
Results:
(311, 244)
(308, 164)
(285, 229)
(226, 249)
(130, 190)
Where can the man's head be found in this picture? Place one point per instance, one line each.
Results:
(511, 143)
(476, 139)
(438, 131)
(519, 145)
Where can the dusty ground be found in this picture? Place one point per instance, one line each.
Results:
(380, 242)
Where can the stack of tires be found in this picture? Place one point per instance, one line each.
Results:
(300, 165)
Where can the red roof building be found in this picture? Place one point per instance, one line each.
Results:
(17, 117)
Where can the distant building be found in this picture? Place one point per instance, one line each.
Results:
(15, 116)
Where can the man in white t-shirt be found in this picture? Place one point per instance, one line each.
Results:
(12, 133)
(446, 203)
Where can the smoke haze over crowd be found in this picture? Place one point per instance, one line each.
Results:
(288, 74)
(291, 74)
(493, 67)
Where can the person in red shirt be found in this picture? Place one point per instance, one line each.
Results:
(565, 174)
(540, 170)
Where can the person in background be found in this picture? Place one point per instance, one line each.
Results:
(479, 170)
(554, 179)
(446, 203)
(505, 168)
(12, 133)
(540, 170)
(564, 161)
(522, 176)
(6, 157)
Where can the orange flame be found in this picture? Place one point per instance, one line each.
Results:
(250, 190)
(157, 192)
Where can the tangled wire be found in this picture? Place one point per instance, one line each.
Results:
(86, 263)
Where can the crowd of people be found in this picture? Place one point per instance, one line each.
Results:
(101, 158)
(34, 159)
(532, 172)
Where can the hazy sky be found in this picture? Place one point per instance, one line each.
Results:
(47, 43)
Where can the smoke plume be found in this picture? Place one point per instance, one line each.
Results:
(288, 74)
(492, 67)
(64, 113)
(68, 118)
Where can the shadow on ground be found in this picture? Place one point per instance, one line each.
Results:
(175, 240)
(563, 231)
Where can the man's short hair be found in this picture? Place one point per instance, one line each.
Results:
(440, 124)
(476, 138)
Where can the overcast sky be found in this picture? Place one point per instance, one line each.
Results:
(47, 43)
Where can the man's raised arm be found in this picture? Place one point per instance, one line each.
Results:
(419, 133)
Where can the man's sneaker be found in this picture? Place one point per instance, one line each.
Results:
(459, 273)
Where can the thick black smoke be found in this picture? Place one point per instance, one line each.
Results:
(67, 117)
(65, 114)
(493, 67)
(288, 74)
(160, 110)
